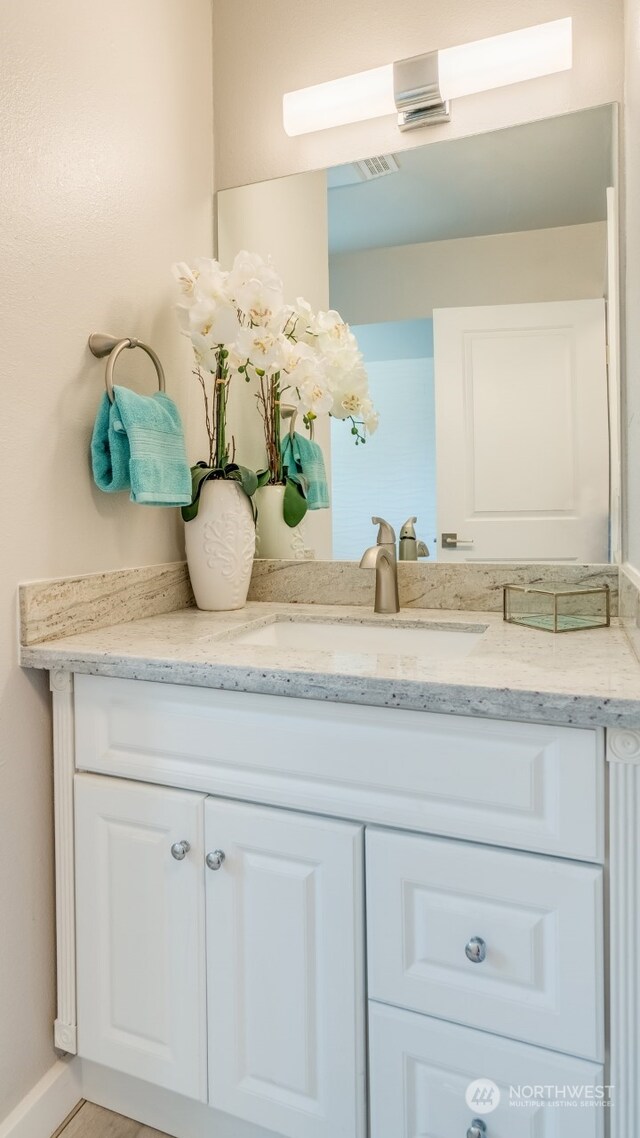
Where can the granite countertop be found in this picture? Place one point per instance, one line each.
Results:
(587, 678)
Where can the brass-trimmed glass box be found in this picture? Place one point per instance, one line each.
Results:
(557, 608)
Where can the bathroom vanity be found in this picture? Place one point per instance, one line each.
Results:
(324, 913)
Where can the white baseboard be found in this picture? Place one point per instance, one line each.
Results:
(161, 1109)
(47, 1105)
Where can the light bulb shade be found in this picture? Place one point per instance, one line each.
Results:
(502, 60)
(368, 95)
(480, 66)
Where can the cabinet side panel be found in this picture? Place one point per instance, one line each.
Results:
(65, 1032)
(623, 753)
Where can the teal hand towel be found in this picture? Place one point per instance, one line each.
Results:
(302, 457)
(109, 450)
(138, 445)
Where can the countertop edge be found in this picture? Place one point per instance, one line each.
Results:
(561, 709)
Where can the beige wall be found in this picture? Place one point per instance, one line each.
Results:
(409, 281)
(264, 49)
(631, 484)
(105, 179)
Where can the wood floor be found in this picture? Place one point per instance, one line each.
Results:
(92, 1121)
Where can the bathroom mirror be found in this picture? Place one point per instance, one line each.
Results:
(480, 277)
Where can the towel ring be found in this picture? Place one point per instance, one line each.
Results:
(289, 412)
(103, 345)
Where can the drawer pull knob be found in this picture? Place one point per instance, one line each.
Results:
(215, 859)
(478, 1129)
(179, 850)
(476, 950)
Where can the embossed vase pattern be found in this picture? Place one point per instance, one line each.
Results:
(220, 544)
(275, 539)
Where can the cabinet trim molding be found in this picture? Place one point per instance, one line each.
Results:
(65, 1027)
(623, 753)
(623, 746)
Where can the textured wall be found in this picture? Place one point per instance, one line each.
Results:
(265, 49)
(631, 485)
(105, 179)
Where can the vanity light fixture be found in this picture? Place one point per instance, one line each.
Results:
(419, 89)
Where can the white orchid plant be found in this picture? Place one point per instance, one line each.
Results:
(240, 327)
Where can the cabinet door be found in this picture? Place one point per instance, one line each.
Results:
(421, 1072)
(140, 932)
(285, 971)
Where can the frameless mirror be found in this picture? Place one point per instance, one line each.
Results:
(480, 278)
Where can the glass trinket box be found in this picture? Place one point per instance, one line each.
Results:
(557, 608)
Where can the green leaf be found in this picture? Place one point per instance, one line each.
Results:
(201, 473)
(294, 504)
(301, 482)
(263, 477)
(248, 479)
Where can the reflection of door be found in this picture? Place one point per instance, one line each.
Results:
(522, 431)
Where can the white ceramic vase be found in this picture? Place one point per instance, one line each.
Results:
(274, 538)
(220, 543)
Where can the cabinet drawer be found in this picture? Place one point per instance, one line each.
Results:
(421, 1068)
(537, 920)
(511, 784)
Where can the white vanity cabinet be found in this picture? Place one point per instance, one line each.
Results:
(270, 998)
(223, 841)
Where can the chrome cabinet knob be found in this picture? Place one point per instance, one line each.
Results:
(214, 860)
(478, 1129)
(179, 850)
(476, 950)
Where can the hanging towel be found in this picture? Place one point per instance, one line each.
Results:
(138, 445)
(303, 458)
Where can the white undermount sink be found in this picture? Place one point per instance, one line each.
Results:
(369, 639)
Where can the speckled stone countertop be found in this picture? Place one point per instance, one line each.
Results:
(587, 678)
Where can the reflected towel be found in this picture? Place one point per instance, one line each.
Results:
(304, 463)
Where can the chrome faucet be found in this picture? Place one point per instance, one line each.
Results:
(382, 558)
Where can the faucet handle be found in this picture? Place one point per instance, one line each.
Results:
(408, 528)
(386, 533)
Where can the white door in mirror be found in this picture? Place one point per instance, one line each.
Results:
(522, 432)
